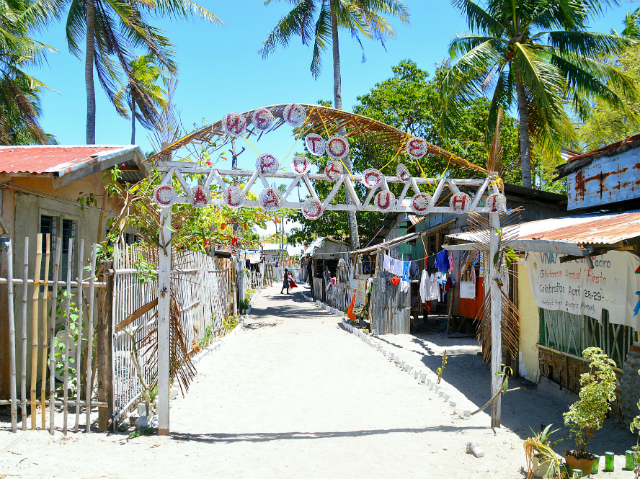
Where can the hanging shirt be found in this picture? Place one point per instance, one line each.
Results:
(386, 263)
(414, 270)
(425, 285)
(442, 261)
(434, 288)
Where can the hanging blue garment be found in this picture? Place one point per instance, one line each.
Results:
(405, 271)
(442, 261)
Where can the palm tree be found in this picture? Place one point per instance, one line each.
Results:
(19, 91)
(143, 95)
(631, 24)
(111, 30)
(537, 56)
(319, 21)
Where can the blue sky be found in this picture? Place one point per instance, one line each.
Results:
(221, 71)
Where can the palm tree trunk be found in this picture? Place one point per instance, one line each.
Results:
(88, 72)
(525, 147)
(133, 120)
(337, 101)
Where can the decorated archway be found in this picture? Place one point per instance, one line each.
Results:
(325, 131)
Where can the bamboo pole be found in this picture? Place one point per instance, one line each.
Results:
(34, 328)
(43, 382)
(52, 330)
(90, 339)
(79, 325)
(12, 340)
(65, 392)
(23, 363)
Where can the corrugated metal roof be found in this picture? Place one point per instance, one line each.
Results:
(576, 162)
(37, 159)
(588, 229)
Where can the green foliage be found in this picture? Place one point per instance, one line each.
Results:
(597, 392)
(146, 271)
(243, 304)
(409, 101)
(635, 425)
(20, 93)
(193, 229)
(541, 446)
(537, 56)
(608, 123)
(230, 323)
(312, 21)
(440, 370)
(141, 95)
(76, 327)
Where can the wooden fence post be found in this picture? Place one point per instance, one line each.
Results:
(496, 319)
(104, 346)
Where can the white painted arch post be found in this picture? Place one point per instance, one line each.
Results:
(496, 319)
(164, 320)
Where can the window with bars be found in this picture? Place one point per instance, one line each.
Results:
(569, 333)
(67, 228)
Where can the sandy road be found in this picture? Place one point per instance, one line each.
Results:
(293, 396)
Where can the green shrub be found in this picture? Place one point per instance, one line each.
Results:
(597, 392)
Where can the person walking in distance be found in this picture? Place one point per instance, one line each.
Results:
(285, 281)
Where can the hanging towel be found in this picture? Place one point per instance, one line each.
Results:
(450, 261)
(442, 261)
(404, 286)
(397, 268)
(405, 271)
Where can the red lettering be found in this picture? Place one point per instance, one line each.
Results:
(261, 122)
(494, 206)
(342, 147)
(199, 196)
(387, 197)
(313, 141)
(233, 124)
(230, 199)
(459, 201)
(416, 147)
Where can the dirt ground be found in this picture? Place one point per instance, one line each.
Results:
(295, 396)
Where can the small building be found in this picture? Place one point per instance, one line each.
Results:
(57, 190)
(579, 276)
(324, 259)
(395, 238)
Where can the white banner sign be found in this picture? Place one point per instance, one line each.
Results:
(573, 287)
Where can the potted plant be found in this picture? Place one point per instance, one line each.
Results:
(587, 414)
(542, 461)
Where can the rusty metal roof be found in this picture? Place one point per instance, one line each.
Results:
(576, 162)
(587, 229)
(36, 159)
(61, 161)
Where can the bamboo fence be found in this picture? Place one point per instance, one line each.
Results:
(46, 323)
